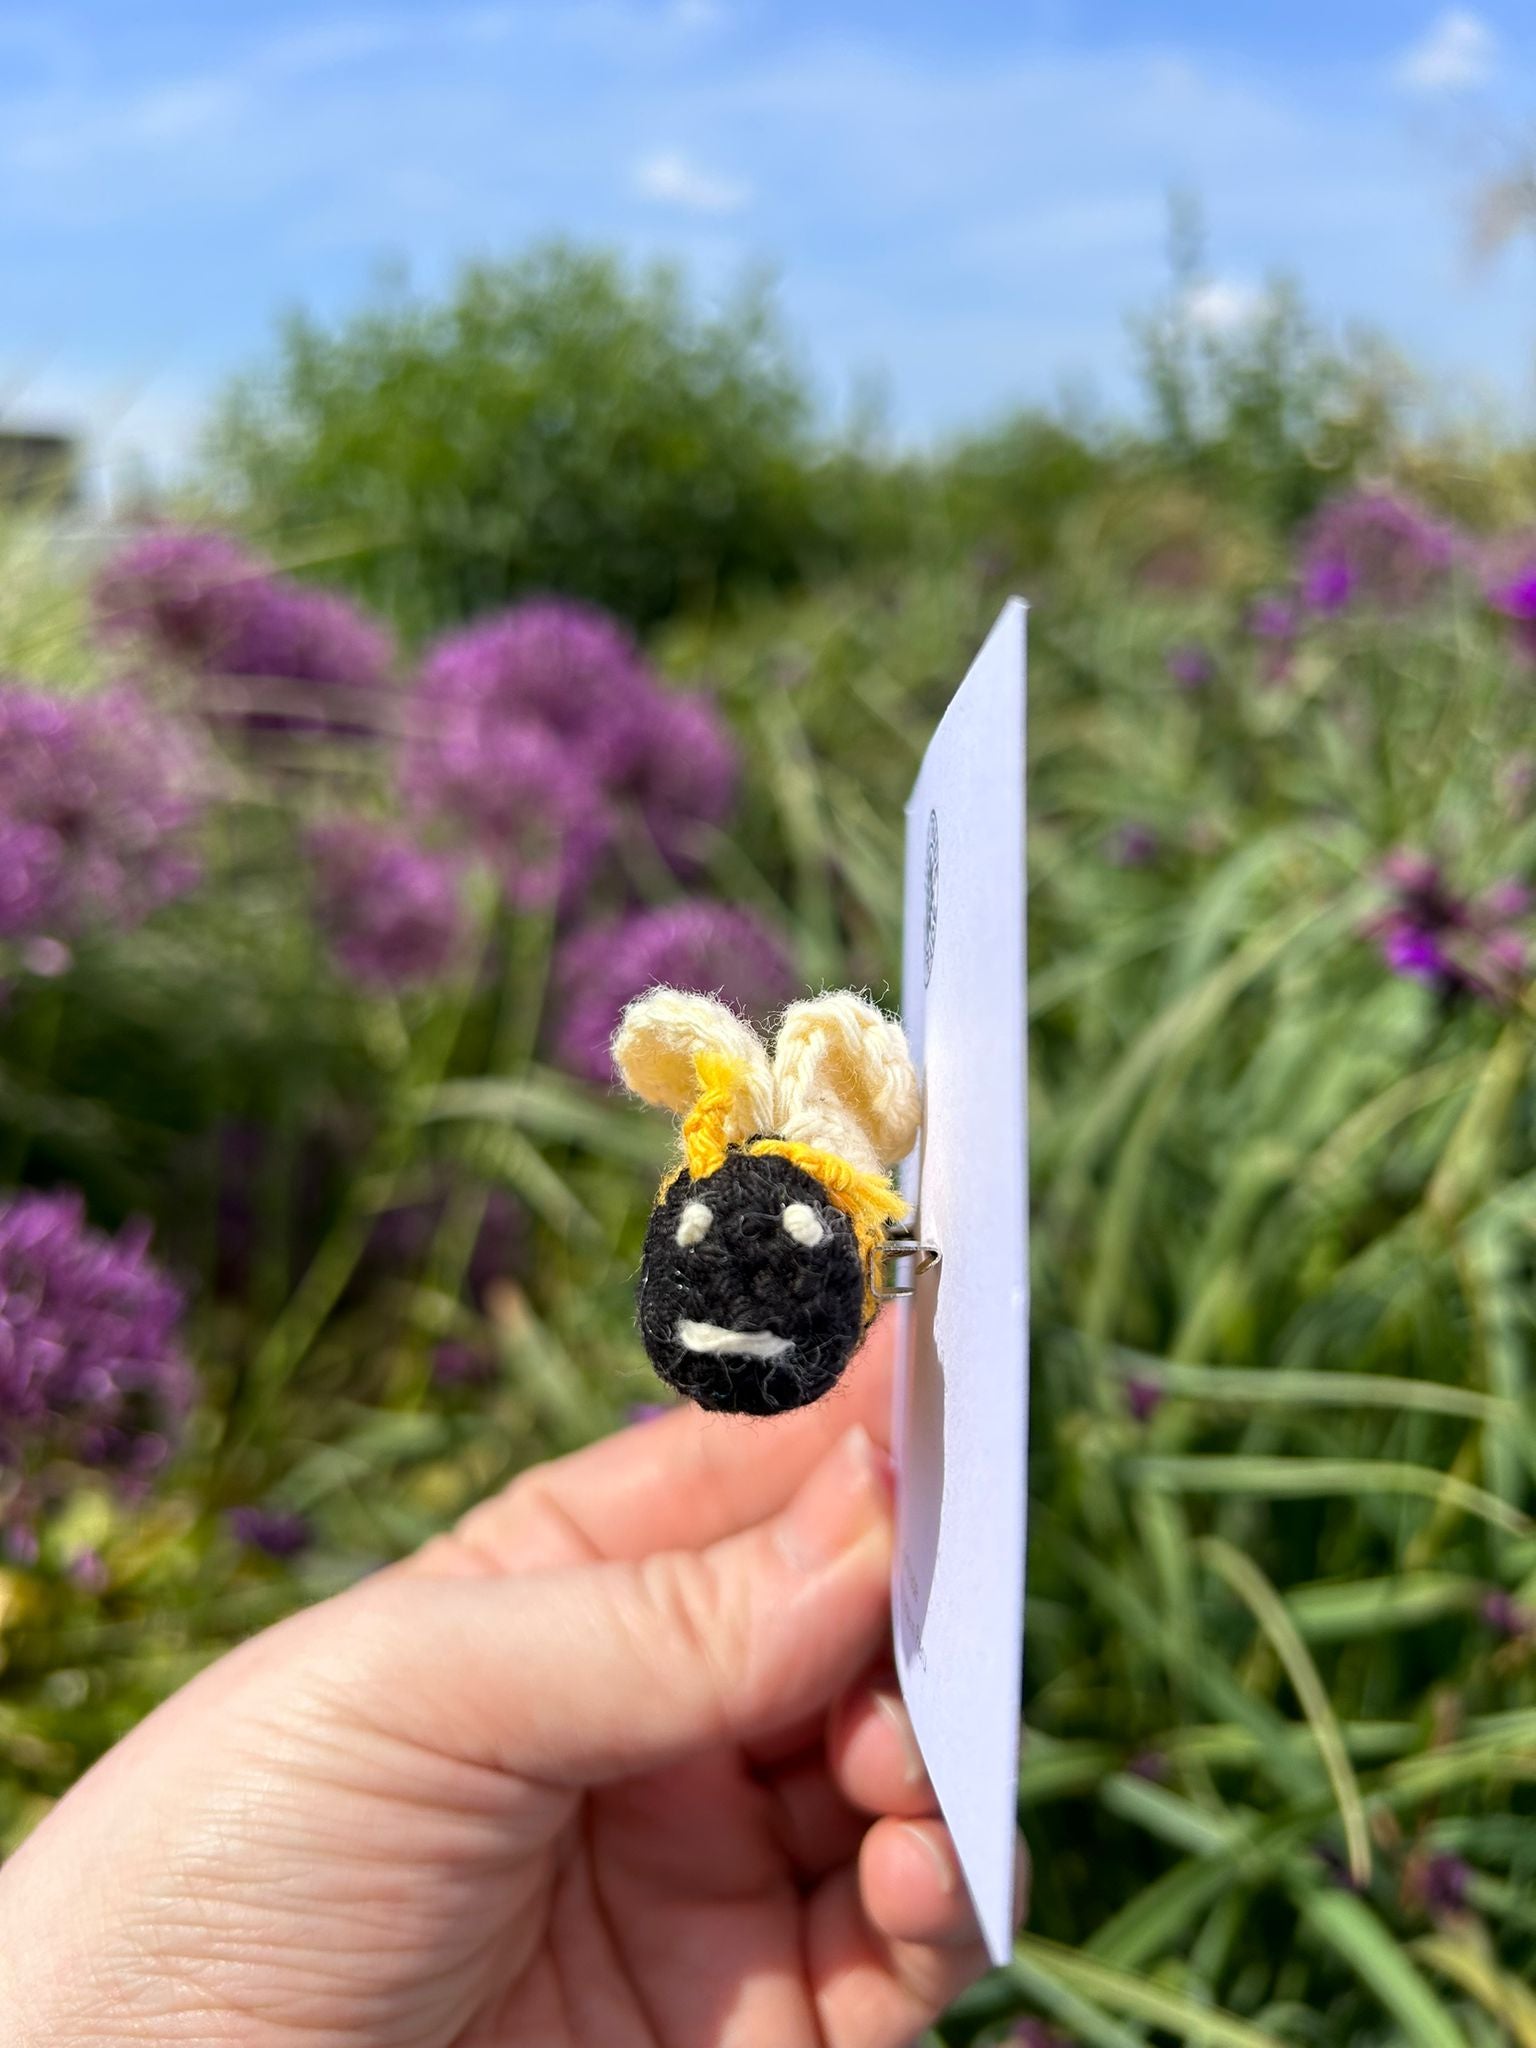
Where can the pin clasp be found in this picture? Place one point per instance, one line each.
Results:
(896, 1246)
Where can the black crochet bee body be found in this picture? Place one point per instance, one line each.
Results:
(751, 1293)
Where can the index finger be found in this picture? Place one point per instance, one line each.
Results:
(680, 1482)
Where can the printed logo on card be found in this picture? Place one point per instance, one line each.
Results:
(931, 897)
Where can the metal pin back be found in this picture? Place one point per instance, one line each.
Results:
(898, 1245)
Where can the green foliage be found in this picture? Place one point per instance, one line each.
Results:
(1283, 1327)
(1267, 413)
(557, 423)
(42, 608)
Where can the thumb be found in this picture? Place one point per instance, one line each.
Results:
(584, 1675)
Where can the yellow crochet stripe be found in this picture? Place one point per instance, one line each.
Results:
(720, 1088)
(867, 1199)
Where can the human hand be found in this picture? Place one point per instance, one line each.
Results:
(598, 1768)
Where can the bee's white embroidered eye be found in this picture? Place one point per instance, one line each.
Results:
(693, 1224)
(803, 1224)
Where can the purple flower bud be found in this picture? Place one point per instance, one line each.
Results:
(1446, 1878)
(1272, 618)
(1515, 597)
(1037, 2033)
(1150, 1764)
(1143, 1397)
(89, 1572)
(1327, 584)
(1458, 947)
(462, 1365)
(1191, 665)
(1506, 1615)
(1134, 846)
(276, 1532)
(644, 1411)
(1416, 955)
(1505, 900)
(1273, 624)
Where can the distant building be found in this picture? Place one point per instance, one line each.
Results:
(38, 471)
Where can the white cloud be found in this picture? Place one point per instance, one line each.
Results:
(1455, 54)
(1223, 305)
(673, 179)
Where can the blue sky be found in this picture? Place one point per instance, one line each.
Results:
(961, 201)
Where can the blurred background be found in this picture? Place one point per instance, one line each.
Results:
(492, 503)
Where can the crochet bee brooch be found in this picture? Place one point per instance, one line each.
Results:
(758, 1277)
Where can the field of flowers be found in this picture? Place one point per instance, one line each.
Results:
(318, 1216)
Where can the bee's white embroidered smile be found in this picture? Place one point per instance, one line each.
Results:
(716, 1342)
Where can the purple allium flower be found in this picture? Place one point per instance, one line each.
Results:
(711, 948)
(1191, 665)
(566, 668)
(683, 774)
(91, 1369)
(277, 1532)
(462, 1365)
(391, 912)
(314, 640)
(204, 602)
(1134, 846)
(1457, 947)
(520, 725)
(1375, 548)
(96, 812)
(532, 727)
(21, 1545)
(519, 796)
(180, 594)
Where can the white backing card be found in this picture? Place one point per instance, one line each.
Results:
(963, 1341)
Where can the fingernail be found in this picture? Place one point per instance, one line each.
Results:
(935, 1845)
(894, 1711)
(838, 1505)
